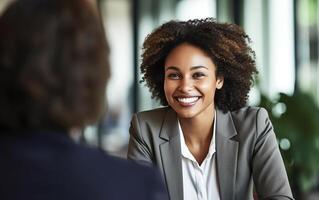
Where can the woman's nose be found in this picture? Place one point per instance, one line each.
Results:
(186, 84)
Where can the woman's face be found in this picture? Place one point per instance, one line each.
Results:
(190, 81)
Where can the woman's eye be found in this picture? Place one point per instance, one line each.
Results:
(173, 76)
(198, 75)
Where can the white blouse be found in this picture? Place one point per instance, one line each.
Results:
(199, 181)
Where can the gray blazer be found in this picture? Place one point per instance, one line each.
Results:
(247, 152)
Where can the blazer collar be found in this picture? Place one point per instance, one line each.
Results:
(170, 151)
(226, 154)
(170, 125)
(225, 124)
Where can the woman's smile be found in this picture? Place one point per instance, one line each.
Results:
(187, 101)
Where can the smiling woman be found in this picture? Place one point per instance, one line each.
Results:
(207, 143)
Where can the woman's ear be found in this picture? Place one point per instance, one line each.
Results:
(220, 82)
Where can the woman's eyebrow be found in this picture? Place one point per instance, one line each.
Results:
(198, 67)
(172, 68)
(192, 68)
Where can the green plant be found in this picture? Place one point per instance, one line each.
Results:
(296, 123)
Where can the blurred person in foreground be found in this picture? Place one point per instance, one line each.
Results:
(207, 143)
(53, 73)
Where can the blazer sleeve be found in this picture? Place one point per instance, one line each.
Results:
(138, 149)
(269, 172)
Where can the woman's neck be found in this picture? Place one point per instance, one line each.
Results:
(198, 132)
(198, 128)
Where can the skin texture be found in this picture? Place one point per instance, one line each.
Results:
(190, 84)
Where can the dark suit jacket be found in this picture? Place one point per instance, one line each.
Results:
(246, 152)
(50, 166)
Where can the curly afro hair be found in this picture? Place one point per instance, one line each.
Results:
(226, 44)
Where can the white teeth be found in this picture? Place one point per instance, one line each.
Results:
(188, 99)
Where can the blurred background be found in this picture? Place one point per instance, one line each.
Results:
(284, 35)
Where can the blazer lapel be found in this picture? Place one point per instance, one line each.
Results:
(171, 156)
(226, 154)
